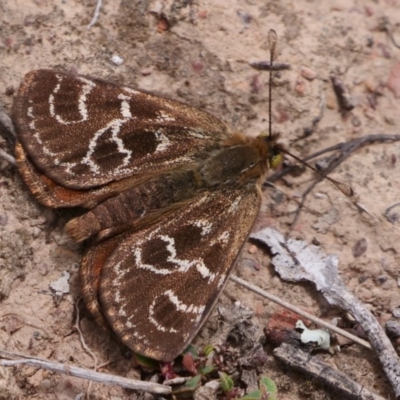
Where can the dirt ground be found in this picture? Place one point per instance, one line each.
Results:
(201, 57)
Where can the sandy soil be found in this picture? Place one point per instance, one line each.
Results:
(202, 59)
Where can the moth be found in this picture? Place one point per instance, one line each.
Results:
(171, 195)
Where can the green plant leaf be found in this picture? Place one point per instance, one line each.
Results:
(208, 350)
(226, 382)
(267, 385)
(146, 362)
(187, 390)
(256, 395)
(207, 369)
(193, 382)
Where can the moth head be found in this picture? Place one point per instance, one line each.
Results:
(275, 150)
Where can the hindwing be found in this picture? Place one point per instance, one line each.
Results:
(156, 287)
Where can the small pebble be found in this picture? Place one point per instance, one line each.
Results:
(381, 279)
(370, 114)
(370, 85)
(36, 232)
(308, 73)
(250, 263)
(202, 14)
(253, 249)
(3, 220)
(146, 71)
(331, 101)
(396, 312)
(393, 329)
(359, 248)
(393, 82)
(197, 66)
(162, 25)
(300, 86)
(355, 121)
(117, 60)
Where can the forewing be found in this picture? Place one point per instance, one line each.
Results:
(84, 132)
(160, 284)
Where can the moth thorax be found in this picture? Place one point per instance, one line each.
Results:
(231, 163)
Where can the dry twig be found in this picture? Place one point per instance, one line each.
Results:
(297, 310)
(313, 366)
(96, 14)
(18, 359)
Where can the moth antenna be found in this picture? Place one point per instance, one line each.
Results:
(343, 187)
(272, 40)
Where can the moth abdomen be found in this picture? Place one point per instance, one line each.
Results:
(146, 200)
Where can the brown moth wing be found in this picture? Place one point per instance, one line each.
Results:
(157, 287)
(52, 194)
(90, 272)
(83, 132)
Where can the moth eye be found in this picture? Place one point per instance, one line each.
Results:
(275, 161)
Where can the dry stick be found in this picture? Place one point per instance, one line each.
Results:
(299, 311)
(7, 126)
(7, 129)
(338, 381)
(380, 342)
(81, 337)
(5, 156)
(307, 131)
(18, 359)
(266, 66)
(345, 150)
(84, 345)
(96, 14)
